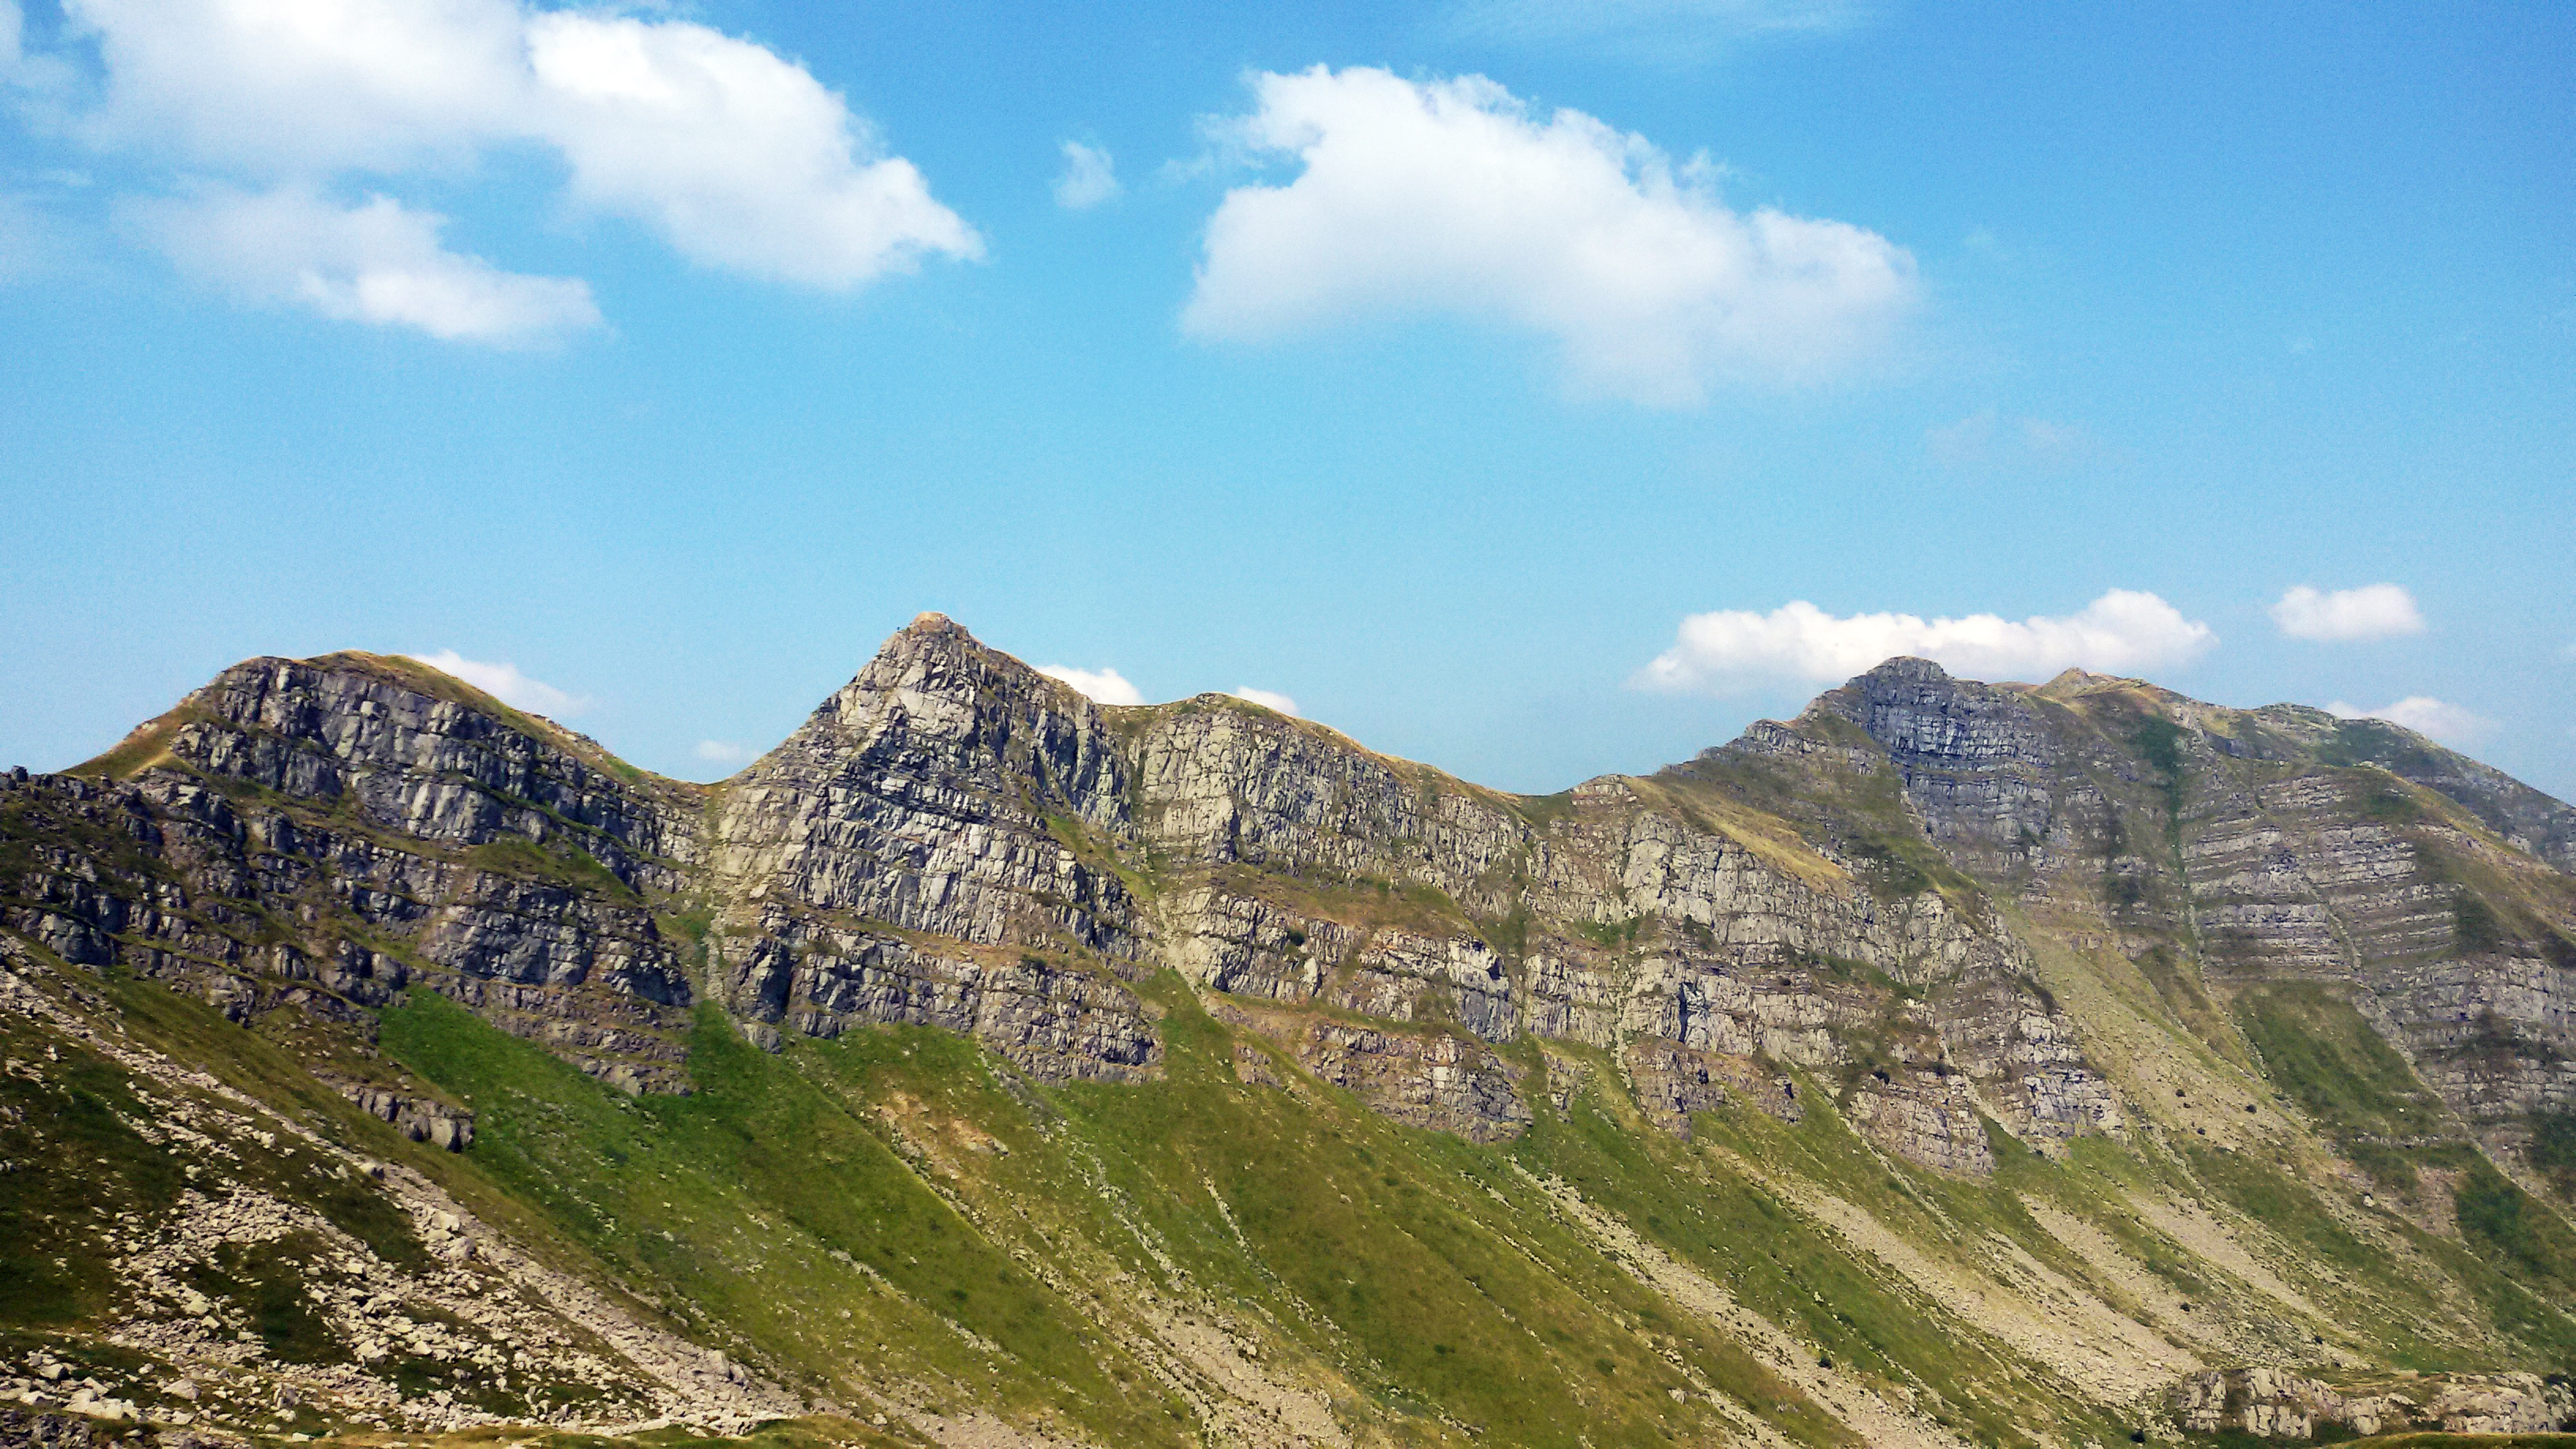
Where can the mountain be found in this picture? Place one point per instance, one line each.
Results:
(1956, 1063)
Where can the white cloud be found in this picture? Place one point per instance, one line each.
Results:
(2373, 611)
(735, 157)
(378, 262)
(719, 752)
(2425, 715)
(741, 160)
(308, 87)
(1267, 699)
(1451, 197)
(1089, 178)
(2121, 632)
(1103, 686)
(505, 683)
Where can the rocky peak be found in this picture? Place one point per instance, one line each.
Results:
(947, 813)
(414, 751)
(938, 709)
(1925, 718)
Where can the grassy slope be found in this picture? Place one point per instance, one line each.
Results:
(844, 1215)
(1421, 1278)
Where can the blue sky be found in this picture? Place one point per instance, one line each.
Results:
(1491, 378)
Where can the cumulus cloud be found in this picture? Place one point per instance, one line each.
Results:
(1088, 179)
(735, 157)
(2373, 611)
(1267, 699)
(307, 87)
(1452, 197)
(741, 160)
(2450, 723)
(721, 752)
(2122, 632)
(1103, 686)
(379, 262)
(505, 683)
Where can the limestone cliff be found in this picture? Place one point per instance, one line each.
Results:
(2000, 990)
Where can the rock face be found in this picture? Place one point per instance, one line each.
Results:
(924, 849)
(2221, 848)
(321, 834)
(422, 1119)
(927, 795)
(954, 840)
(2312, 955)
(2272, 1404)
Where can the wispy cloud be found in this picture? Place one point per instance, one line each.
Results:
(29, 239)
(379, 262)
(504, 682)
(1454, 198)
(1986, 437)
(2450, 723)
(2121, 632)
(721, 752)
(1102, 686)
(2373, 611)
(1089, 178)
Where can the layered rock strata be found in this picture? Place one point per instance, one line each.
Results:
(955, 840)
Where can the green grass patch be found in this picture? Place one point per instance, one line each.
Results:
(563, 863)
(758, 1208)
(2347, 1077)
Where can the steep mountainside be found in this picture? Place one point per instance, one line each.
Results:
(1956, 1063)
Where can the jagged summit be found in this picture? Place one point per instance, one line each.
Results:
(2011, 1019)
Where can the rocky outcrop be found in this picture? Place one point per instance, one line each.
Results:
(420, 1118)
(2275, 1404)
(1926, 1120)
(409, 751)
(936, 846)
(1220, 781)
(2226, 847)
(1671, 1082)
(956, 840)
(2525, 818)
(945, 790)
(1439, 1080)
(319, 835)
(1060, 1019)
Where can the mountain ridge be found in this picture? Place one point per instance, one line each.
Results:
(2150, 997)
